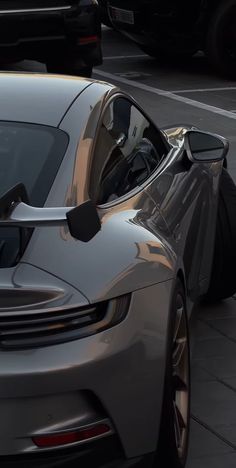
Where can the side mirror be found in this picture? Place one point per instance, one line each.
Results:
(205, 147)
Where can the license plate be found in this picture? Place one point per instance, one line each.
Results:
(122, 16)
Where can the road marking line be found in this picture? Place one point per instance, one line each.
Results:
(203, 90)
(133, 74)
(119, 57)
(167, 94)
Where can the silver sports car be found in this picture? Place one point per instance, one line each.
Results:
(110, 231)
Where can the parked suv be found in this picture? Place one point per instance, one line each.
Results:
(176, 29)
(65, 34)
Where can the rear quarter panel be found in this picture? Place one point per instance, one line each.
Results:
(126, 254)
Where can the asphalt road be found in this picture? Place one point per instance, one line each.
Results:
(189, 93)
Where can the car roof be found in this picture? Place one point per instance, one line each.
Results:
(38, 98)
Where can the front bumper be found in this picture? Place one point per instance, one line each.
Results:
(42, 35)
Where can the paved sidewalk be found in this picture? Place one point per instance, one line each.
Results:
(213, 422)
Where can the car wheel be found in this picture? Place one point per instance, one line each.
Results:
(106, 20)
(221, 39)
(223, 282)
(174, 428)
(68, 68)
(167, 51)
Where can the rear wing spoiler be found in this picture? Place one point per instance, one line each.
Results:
(83, 221)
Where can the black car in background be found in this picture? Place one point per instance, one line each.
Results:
(177, 29)
(64, 34)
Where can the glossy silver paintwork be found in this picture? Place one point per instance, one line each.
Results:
(162, 229)
(40, 98)
(101, 363)
(27, 287)
(25, 215)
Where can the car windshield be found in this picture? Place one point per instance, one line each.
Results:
(29, 154)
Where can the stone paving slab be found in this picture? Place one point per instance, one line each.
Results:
(213, 427)
(221, 367)
(204, 331)
(219, 310)
(215, 348)
(203, 443)
(228, 432)
(200, 374)
(227, 460)
(231, 383)
(214, 403)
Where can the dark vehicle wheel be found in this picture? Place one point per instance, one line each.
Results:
(68, 68)
(221, 39)
(168, 51)
(106, 20)
(174, 429)
(104, 13)
(223, 282)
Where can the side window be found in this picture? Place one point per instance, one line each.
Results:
(127, 151)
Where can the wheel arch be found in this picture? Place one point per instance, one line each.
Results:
(211, 6)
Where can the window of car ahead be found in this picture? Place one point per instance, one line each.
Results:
(29, 154)
(127, 151)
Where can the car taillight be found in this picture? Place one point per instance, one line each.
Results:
(64, 438)
(33, 328)
(88, 39)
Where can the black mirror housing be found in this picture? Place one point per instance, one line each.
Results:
(205, 147)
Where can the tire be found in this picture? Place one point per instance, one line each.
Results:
(166, 52)
(223, 282)
(107, 23)
(106, 20)
(176, 396)
(68, 68)
(221, 39)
